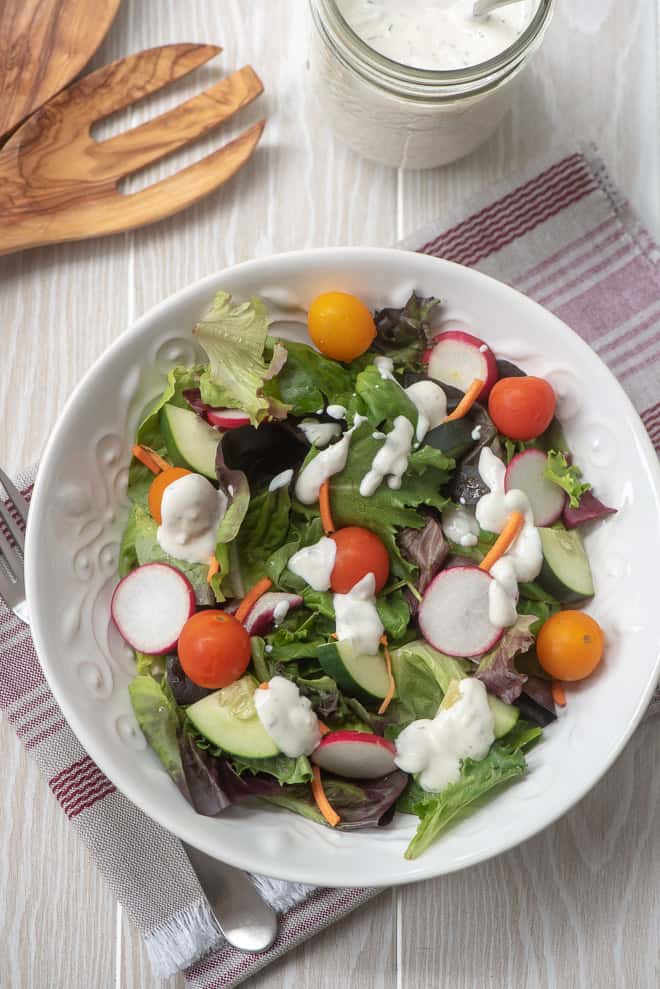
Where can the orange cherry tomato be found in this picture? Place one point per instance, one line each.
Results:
(214, 649)
(522, 408)
(570, 645)
(340, 325)
(358, 553)
(158, 485)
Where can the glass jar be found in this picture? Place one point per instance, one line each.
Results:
(406, 116)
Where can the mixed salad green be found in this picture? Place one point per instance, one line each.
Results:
(349, 574)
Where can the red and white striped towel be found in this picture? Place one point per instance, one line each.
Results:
(564, 236)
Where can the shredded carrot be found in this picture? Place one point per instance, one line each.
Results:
(263, 686)
(151, 460)
(251, 598)
(468, 400)
(324, 508)
(323, 728)
(558, 693)
(512, 527)
(214, 568)
(322, 802)
(392, 687)
(333, 635)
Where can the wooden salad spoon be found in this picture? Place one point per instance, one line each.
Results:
(57, 183)
(43, 45)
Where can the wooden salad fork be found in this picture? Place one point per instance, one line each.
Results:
(58, 183)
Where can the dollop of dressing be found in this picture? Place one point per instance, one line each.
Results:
(435, 748)
(460, 526)
(391, 461)
(287, 717)
(330, 461)
(431, 403)
(357, 617)
(524, 558)
(336, 411)
(385, 367)
(191, 510)
(281, 480)
(315, 563)
(319, 434)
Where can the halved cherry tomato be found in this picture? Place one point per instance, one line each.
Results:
(214, 649)
(358, 553)
(522, 408)
(158, 485)
(340, 325)
(570, 645)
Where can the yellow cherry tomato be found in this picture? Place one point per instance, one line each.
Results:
(570, 645)
(340, 325)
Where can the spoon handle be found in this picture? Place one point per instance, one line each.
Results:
(484, 7)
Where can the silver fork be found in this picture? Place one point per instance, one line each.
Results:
(246, 921)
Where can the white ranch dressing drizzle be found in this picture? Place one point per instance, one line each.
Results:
(336, 411)
(435, 749)
(357, 617)
(385, 367)
(281, 480)
(191, 510)
(524, 558)
(391, 460)
(315, 563)
(330, 461)
(319, 434)
(287, 717)
(431, 403)
(460, 526)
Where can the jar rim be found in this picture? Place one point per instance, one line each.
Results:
(431, 82)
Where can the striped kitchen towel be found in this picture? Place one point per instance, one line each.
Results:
(564, 236)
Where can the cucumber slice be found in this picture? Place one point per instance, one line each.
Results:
(566, 572)
(504, 715)
(358, 676)
(229, 720)
(190, 442)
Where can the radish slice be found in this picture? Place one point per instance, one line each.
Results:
(355, 754)
(453, 616)
(271, 609)
(457, 358)
(526, 472)
(151, 605)
(226, 418)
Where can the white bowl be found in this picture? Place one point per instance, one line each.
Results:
(79, 507)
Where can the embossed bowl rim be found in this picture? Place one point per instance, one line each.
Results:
(602, 713)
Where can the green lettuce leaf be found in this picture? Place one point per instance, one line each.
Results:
(286, 770)
(383, 399)
(158, 717)
(422, 676)
(394, 613)
(567, 476)
(234, 337)
(263, 536)
(308, 381)
(504, 762)
(387, 510)
(404, 334)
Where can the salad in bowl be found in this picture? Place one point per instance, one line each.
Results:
(353, 568)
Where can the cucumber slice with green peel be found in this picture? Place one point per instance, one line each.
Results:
(566, 572)
(228, 718)
(190, 441)
(358, 676)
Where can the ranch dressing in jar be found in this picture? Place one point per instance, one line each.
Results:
(419, 83)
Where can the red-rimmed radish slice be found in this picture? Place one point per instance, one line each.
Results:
(151, 605)
(453, 616)
(355, 754)
(526, 472)
(271, 609)
(457, 358)
(226, 418)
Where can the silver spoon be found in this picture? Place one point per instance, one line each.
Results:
(484, 7)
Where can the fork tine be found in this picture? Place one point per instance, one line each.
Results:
(12, 525)
(10, 557)
(19, 502)
(8, 590)
(185, 187)
(156, 138)
(130, 79)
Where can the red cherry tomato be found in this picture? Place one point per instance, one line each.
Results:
(214, 649)
(359, 552)
(522, 408)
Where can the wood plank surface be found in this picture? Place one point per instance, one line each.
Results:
(577, 906)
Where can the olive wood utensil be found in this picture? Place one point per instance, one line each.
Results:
(43, 45)
(58, 183)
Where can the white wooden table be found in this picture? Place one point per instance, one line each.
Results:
(578, 906)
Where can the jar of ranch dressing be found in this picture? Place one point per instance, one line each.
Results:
(419, 83)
